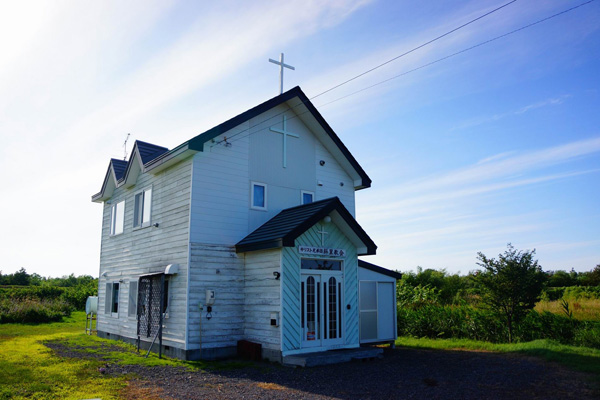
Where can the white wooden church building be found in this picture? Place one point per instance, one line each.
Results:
(246, 232)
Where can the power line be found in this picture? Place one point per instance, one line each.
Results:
(412, 50)
(409, 71)
(457, 53)
(389, 61)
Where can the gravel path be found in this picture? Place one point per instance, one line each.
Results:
(401, 374)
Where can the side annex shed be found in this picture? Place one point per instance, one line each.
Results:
(377, 303)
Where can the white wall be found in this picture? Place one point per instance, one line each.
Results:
(263, 297)
(141, 251)
(220, 269)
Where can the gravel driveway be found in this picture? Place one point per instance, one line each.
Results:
(401, 374)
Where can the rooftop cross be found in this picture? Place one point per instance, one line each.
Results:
(285, 134)
(281, 66)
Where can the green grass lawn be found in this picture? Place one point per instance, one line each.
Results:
(28, 369)
(583, 359)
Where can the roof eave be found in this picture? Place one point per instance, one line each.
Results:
(265, 245)
(171, 157)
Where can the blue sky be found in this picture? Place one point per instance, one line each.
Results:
(498, 144)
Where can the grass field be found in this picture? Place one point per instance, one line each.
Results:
(583, 309)
(28, 369)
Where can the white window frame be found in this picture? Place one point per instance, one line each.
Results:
(303, 192)
(132, 298)
(114, 213)
(136, 208)
(252, 206)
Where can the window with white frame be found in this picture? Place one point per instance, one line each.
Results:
(117, 218)
(133, 295)
(111, 298)
(258, 196)
(306, 197)
(143, 208)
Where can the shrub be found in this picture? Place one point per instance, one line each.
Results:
(434, 321)
(76, 296)
(33, 310)
(553, 293)
(588, 335)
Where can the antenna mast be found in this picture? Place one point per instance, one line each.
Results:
(125, 147)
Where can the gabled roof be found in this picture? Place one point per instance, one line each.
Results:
(153, 158)
(378, 269)
(119, 167)
(149, 151)
(284, 228)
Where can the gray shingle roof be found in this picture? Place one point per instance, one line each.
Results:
(283, 229)
(119, 167)
(149, 151)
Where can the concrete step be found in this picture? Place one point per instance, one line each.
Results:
(332, 356)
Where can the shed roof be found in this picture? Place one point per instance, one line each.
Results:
(283, 229)
(378, 269)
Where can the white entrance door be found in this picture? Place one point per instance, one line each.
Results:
(322, 311)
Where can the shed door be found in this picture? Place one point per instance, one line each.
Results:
(377, 318)
(385, 311)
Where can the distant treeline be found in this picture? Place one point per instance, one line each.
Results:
(458, 289)
(31, 298)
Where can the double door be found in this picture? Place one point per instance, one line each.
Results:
(321, 309)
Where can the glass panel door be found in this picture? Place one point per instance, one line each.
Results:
(311, 310)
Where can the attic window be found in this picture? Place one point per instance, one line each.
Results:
(258, 196)
(307, 197)
(117, 217)
(143, 206)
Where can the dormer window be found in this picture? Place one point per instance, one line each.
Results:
(143, 208)
(117, 217)
(258, 196)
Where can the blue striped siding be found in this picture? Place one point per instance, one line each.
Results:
(292, 332)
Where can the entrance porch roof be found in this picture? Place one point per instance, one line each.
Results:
(283, 229)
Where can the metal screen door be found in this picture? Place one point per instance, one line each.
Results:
(150, 306)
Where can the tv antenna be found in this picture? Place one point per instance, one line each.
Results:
(125, 147)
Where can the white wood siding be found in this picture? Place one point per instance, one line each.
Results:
(263, 297)
(220, 269)
(331, 175)
(220, 191)
(141, 251)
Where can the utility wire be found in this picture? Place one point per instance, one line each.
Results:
(385, 63)
(409, 71)
(413, 50)
(457, 53)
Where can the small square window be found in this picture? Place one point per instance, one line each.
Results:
(143, 206)
(258, 196)
(117, 218)
(307, 197)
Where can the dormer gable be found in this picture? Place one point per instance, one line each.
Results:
(141, 154)
(125, 173)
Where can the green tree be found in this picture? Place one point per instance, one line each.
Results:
(560, 279)
(21, 278)
(510, 285)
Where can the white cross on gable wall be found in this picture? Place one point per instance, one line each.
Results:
(323, 232)
(285, 134)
